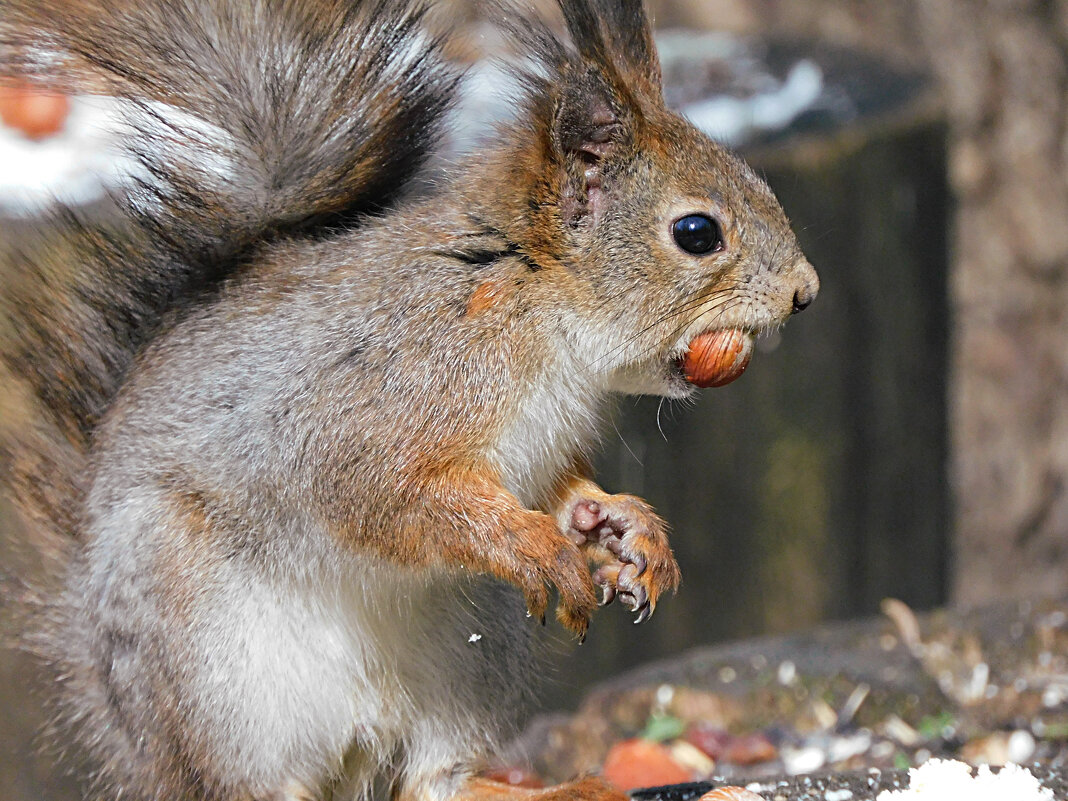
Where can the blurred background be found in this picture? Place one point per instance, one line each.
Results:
(908, 435)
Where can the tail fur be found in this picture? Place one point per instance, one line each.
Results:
(251, 120)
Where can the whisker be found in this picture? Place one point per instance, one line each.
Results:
(660, 427)
(721, 306)
(689, 305)
(627, 444)
(728, 304)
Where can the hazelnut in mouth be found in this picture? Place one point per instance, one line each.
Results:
(716, 358)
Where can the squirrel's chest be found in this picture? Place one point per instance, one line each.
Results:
(554, 423)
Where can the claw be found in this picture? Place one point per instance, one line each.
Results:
(609, 594)
(639, 562)
(628, 577)
(628, 573)
(645, 614)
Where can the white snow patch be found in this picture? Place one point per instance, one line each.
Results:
(943, 779)
(731, 119)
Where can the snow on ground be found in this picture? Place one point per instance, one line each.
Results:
(947, 779)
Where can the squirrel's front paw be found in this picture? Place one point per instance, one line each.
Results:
(624, 535)
(575, 587)
(552, 560)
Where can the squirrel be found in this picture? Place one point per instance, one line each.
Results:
(307, 449)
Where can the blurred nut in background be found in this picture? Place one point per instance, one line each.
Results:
(35, 113)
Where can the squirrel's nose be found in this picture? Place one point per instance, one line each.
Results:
(802, 298)
(808, 288)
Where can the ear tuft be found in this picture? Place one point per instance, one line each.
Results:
(617, 36)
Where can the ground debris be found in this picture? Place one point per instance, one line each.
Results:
(847, 708)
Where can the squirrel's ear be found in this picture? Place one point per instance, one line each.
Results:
(589, 125)
(605, 93)
(589, 128)
(590, 99)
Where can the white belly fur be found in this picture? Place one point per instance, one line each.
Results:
(558, 420)
(380, 664)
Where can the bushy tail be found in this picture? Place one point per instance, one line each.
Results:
(251, 120)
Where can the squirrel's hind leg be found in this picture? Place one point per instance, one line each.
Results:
(294, 791)
(188, 670)
(476, 788)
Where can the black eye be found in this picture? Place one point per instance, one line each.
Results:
(697, 234)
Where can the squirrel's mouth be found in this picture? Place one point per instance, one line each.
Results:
(716, 358)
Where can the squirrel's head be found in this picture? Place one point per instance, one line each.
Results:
(654, 237)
